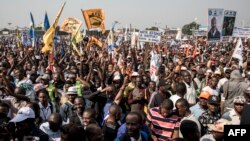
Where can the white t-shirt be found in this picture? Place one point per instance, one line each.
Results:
(174, 98)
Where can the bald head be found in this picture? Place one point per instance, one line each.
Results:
(114, 109)
(55, 118)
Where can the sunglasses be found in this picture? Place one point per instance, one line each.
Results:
(238, 104)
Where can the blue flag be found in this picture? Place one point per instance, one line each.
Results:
(46, 22)
(32, 27)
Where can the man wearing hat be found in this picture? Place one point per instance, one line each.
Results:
(65, 109)
(234, 115)
(201, 106)
(26, 128)
(211, 115)
(232, 88)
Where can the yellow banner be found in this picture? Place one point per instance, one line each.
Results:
(94, 18)
(93, 40)
(48, 37)
(70, 25)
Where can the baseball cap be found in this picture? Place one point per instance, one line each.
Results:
(218, 126)
(135, 74)
(72, 90)
(239, 99)
(204, 95)
(23, 114)
(213, 99)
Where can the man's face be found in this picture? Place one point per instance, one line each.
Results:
(213, 23)
(238, 107)
(78, 104)
(181, 109)
(213, 108)
(43, 98)
(187, 77)
(165, 112)
(86, 118)
(71, 97)
(203, 102)
(133, 125)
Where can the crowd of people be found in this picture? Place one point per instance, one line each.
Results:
(104, 96)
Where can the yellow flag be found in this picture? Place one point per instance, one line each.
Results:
(18, 38)
(93, 40)
(48, 37)
(71, 25)
(94, 18)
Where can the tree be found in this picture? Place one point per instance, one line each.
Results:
(188, 28)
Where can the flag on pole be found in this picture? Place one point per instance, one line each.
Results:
(238, 50)
(18, 37)
(110, 41)
(48, 37)
(46, 24)
(32, 30)
(70, 25)
(94, 18)
(93, 40)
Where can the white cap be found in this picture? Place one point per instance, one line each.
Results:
(117, 77)
(217, 72)
(135, 74)
(23, 114)
(72, 90)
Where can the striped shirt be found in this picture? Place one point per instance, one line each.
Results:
(162, 127)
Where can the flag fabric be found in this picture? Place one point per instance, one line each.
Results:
(18, 38)
(178, 35)
(94, 18)
(110, 41)
(70, 25)
(93, 40)
(48, 37)
(238, 50)
(46, 24)
(32, 30)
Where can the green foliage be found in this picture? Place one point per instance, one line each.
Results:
(188, 28)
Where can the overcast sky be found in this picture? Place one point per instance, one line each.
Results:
(139, 13)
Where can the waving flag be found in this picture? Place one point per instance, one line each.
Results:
(48, 37)
(46, 24)
(71, 25)
(238, 51)
(94, 18)
(32, 30)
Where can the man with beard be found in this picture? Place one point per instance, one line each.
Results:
(52, 127)
(133, 132)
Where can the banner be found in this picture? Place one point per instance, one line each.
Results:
(93, 40)
(70, 25)
(94, 18)
(238, 50)
(241, 32)
(228, 22)
(149, 36)
(154, 64)
(215, 19)
(48, 37)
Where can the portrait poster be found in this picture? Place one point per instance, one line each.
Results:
(215, 20)
(228, 22)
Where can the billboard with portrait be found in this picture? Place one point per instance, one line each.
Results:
(228, 22)
(215, 19)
